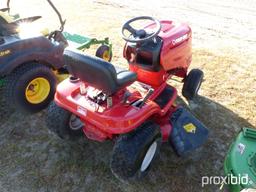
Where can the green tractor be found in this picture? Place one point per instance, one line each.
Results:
(31, 66)
(240, 162)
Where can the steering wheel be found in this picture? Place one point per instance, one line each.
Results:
(140, 35)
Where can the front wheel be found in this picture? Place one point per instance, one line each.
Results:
(104, 52)
(30, 87)
(192, 84)
(133, 153)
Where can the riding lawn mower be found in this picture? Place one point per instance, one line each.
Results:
(136, 107)
(32, 64)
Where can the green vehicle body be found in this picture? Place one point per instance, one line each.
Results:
(241, 160)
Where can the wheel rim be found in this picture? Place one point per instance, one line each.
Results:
(75, 123)
(149, 156)
(37, 90)
(106, 55)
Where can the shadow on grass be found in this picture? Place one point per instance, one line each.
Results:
(41, 162)
(173, 173)
(219, 119)
(223, 125)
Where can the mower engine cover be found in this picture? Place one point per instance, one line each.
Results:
(241, 160)
(188, 133)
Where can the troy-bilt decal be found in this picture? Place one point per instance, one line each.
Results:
(190, 128)
(5, 52)
(180, 39)
(81, 110)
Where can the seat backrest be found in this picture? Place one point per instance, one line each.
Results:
(97, 72)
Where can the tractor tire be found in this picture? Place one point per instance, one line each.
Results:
(30, 87)
(192, 84)
(63, 123)
(133, 153)
(104, 53)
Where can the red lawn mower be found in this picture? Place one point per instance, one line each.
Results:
(134, 107)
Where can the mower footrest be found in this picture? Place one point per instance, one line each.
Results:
(165, 97)
(188, 133)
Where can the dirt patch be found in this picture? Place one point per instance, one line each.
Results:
(32, 159)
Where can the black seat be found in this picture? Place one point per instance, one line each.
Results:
(8, 26)
(97, 72)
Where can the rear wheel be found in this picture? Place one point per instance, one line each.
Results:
(192, 84)
(104, 52)
(133, 153)
(30, 88)
(63, 123)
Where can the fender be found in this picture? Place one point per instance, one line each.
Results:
(15, 52)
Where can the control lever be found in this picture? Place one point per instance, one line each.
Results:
(126, 97)
(149, 93)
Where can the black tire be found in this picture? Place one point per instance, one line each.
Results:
(104, 50)
(131, 149)
(17, 82)
(58, 122)
(192, 84)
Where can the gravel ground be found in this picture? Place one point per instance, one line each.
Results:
(32, 159)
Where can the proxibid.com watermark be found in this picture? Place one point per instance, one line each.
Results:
(229, 179)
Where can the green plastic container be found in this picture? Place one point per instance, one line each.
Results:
(241, 161)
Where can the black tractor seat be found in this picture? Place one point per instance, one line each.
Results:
(8, 26)
(97, 72)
